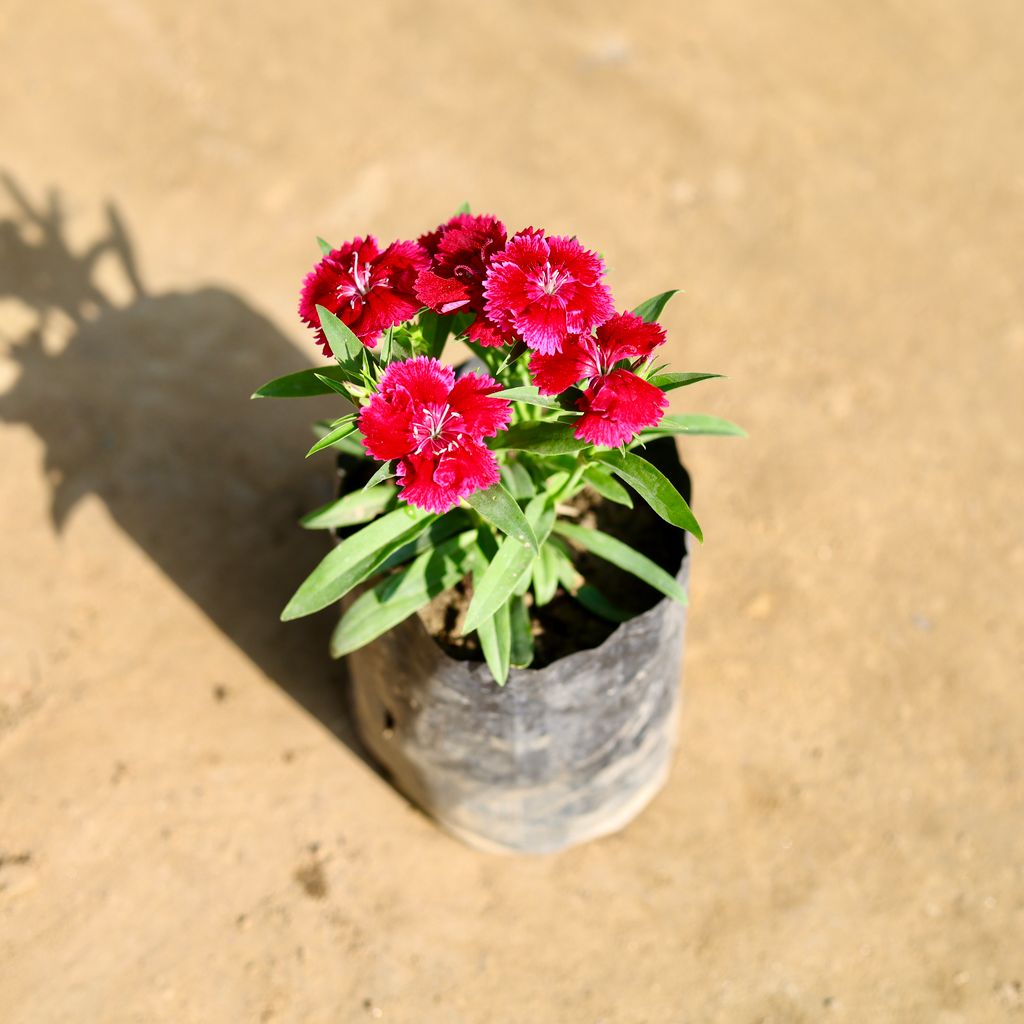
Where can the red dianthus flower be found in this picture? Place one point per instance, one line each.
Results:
(433, 425)
(368, 290)
(460, 252)
(617, 403)
(546, 288)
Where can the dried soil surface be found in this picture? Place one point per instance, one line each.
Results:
(187, 830)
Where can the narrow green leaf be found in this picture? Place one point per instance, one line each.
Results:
(433, 536)
(606, 485)
(354, 559)
(556, 481)
(384, 472)
(497, 582)
(517, 350)
(497, 506)
(541, 438)
(496, 642)
(521, 652)
(350, 509)
(517, 479)
(528, 394)
(651, 309)
(353, 445)
(567, 573)
(325, 247)
(506, 570)
(334, 385)
(654, 487)
(435, 329)
(464, 208)
(622, 555)
(396, 346)
(344, 344)
(303, 384)
(545, 575)
(544, 578)
(692, 423)
(671, 381)
(594, 601)
(333, 437)
(384, 350)
(400, 595)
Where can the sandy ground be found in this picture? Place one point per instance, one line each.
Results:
(186, 834)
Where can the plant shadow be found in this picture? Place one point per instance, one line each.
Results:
(147, 407)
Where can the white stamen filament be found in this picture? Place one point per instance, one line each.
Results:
(548, 280)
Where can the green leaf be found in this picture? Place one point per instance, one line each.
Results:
(351, 509)
(651, 309)
(521, 652)
(567, 573)
(334, 385)
(545, 575)
(400, 595)
(622, 555)
(507, 568)
(354, 559)
(303, 384)
(333, 437)
(344, 344)
(433, 536)
(353, 445)
(654, 487)
(671, 381)
(396, 345)
(541, 438)
(435, 329)
(517, 479)
(497, 506)
(496, 642)
(556, 481)
(382, 473)
(606, 485)
(529, 394)
(594, 601)
(325, 247)
(692, 423)
(464, 208)
(517, 350)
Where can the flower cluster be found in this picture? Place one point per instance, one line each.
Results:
(477, 470)
(529, 293)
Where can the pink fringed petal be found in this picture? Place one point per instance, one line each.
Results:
(426, 381)
(438, 484)
(554, 373)
(482, 416)
(626, 336)
(616, 407)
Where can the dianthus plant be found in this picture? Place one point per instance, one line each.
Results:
(471, 470)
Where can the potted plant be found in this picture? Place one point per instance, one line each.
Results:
(510, 533)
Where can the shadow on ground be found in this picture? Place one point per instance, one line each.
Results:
(147, 407)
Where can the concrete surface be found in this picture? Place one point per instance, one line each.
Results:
(186, 834)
